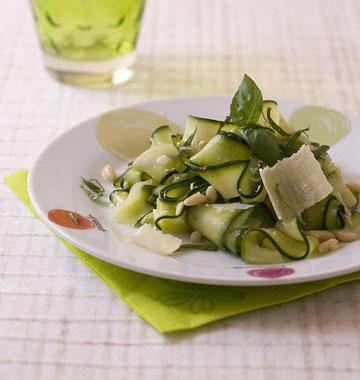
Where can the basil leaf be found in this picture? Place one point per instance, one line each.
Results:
(263, 143)
(247, 103)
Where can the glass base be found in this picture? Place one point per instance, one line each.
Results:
(93, 80)
(97, 74)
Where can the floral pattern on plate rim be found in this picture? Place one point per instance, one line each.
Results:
(271, 272)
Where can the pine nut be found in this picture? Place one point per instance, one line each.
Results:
(108, 173)
(201, 144)
(211, 194)
(322, 235)
(353, 187)
(328, 246)
(179, 208)
(195, 237)
(346, 236)
(195, 199)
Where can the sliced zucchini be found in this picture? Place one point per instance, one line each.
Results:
(225, 226)
(135, 206)
(161, 135)
(221, 163)
(250, 186)
(250, 178)
(254, 249)
(334, 219)
(354, 221)
(225, 180)
(314, 216)
(180, 190)
(272, 107)
(357, 197)
(327, 165)
(168, 178)
(201, 129)
(276, 245)
(211, 221)
(271, 118)
(118, 196)
(249, 232)
(284, 125)
(146, 219)
(158, 160)
(235, 229)
(253, 217)
(340, 191)
(223, 148)
(291, 227)
(129, 178)
(257, 197)
(328, 214)
(166, 219)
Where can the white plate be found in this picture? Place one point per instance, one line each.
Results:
(54, 183)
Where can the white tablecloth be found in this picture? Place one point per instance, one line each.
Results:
(57, 320)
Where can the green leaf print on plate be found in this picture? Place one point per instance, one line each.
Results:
(326, 126)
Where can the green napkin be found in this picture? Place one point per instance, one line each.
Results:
(175, 306)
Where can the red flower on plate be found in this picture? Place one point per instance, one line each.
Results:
(70, 219)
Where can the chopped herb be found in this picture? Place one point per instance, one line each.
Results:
(93, 189)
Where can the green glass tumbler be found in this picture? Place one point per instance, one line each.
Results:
(89, 43)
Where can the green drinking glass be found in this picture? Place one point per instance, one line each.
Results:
(88, 43)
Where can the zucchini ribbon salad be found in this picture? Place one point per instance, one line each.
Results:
(250, 185)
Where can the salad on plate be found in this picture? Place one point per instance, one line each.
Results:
(249, 184)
